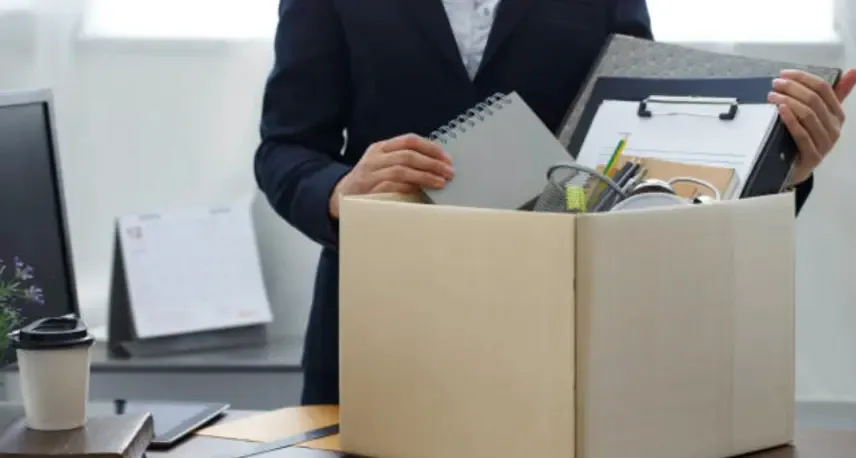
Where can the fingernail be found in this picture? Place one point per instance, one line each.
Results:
(775, 97)
(449, 172)
(778, 82)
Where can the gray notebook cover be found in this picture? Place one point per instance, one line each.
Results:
(501, 152)
(633, 57)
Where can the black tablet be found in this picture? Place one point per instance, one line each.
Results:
(173, 420)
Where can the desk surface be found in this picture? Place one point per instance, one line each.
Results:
(826, 430)
(277, 355)
(210, 447)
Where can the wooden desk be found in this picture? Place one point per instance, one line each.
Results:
(810, 444)
(209, 447)
(825, 430)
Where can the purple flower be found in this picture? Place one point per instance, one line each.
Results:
(34, 294)
(23, 272)
(18, 287)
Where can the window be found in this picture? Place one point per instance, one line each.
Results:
(180, 19)
(722, 21)
(728, 21)
(15, 5)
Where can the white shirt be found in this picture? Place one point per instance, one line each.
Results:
(471, 22)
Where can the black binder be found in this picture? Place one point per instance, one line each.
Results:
(772, 170)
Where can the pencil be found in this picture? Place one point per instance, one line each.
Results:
(616, 155)
(610, 165)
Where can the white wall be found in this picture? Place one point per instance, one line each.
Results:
(183, 120)
(826, 291)
(154, 125)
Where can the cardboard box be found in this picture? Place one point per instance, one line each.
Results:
(473, 333)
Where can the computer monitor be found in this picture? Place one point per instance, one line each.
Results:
(34, 239)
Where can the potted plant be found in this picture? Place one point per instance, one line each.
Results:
(18, 289)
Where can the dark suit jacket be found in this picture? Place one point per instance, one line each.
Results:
(382, 68)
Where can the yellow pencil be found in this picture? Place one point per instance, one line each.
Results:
(611, 165)
(616, 156)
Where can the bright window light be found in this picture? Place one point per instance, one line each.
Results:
(776, 21)
(723, 21)
(15, 5)
(181, 19)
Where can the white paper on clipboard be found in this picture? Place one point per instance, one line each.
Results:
(685, 133)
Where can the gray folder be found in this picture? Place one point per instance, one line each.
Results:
(633, 57)
(501, 152)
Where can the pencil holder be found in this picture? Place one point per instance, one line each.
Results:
(566, 188)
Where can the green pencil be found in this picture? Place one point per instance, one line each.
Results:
(613, 161)
(615, 156)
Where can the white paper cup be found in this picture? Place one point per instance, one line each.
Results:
(53, 364)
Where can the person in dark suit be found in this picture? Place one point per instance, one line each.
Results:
(388, 72)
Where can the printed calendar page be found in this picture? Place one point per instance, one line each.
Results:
(193, 271)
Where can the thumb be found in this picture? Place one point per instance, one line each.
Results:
(845, 84)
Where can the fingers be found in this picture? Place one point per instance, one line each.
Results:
(409, 176)
(818, 126)
(401, 163)
(810, 90)
(416, 143)
(812, 111)
(845, 85)
(809, 151)
(393, 187)
(413, 160)
(814, 103)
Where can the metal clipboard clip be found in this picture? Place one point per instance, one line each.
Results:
(729, 106)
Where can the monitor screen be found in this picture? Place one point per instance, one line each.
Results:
(34, 246)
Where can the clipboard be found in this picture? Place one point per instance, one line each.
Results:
(631, 57)
(774, 164)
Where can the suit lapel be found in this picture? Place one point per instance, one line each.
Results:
(508, 16)
(429, 17)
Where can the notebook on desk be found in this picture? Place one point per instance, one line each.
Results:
(102, 436)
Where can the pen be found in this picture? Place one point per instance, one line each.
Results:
(634, 181)
(608, 195)
(626, 185)
(634, 168)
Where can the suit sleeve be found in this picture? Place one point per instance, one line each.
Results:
(630, 17)
(802, 191)
(305, 102)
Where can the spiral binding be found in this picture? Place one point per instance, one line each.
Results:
(469, 119)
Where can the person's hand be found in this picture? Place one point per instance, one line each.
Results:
(402, 164)
(811, 109)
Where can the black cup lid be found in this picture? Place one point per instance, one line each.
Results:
(52, 333)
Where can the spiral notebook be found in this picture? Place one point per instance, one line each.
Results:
(500, 151)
